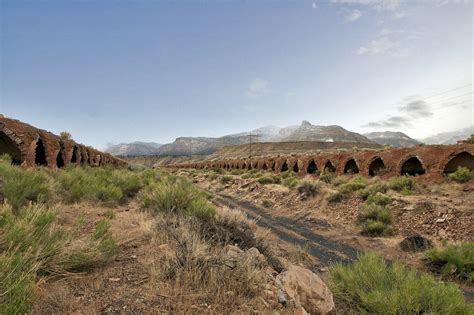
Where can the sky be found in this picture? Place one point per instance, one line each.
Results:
(117, 71)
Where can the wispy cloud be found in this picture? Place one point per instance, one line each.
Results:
(257, 87)
(354, 15)
(397, 43)
(390, 122)
(376, 46)
(417, 108)
(379, 5)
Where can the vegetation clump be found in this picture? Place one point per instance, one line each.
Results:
(269, 179)
(461, 175)
(32, 244)
(375, 217)
(373, 189)
(371, 285)
(326, 177)
(308, 188)
(177, 195)
(456, 259)
(403, 184)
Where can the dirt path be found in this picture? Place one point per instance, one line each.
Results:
(327, 251)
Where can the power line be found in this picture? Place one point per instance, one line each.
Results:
(447, 91)
(450, 98)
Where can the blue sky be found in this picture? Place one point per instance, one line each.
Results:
(120, 71)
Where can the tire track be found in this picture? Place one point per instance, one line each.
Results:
(325, 250)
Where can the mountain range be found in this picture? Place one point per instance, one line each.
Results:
(303, 132)
(393, 138)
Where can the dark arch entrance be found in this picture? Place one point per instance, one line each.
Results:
(59, 160)
(412, 167)
(463, 159)
(273, 166)
(249, 166)
(7, 146)
(284, 167)
(74, 155)
(329, 167)
(40, 153)
(296, 169)
(351, 167)
(376, 167)
(264, 167)
(312, 168)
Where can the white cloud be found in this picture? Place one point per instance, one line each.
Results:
(353, 16)
(376, 46)
(314, 6)
(257, 87)
(379, 5)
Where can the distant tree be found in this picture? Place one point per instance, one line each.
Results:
(470, 139)
(64, 135)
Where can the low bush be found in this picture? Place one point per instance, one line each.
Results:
(290, 182)
(373, 189)
(335, 197)
(403, 184)
(379, 199)
(226, 179)
(308, 188)
(375, 219)
(31, 243)
(461, 175)
(236, 172)
(339, 180)
(370, 285)
(326, 177)
(177, 195)
(21, 185)
(457, 259)
(269, 179)
(357, 183)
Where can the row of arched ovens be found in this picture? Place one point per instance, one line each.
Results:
(30, 146)
(428, 161)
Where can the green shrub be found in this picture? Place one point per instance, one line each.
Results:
(177, 195)
(247, 176)
(308, 188)
(375, 219)
(326, 177)
(403, 184)
(226, 179)
(455, 259)
(461, 175)
(339, 180)
(285, 174)
(31, 243)
(236, 172)
(21, 186)
(290, 182)
(335, 197)
(370, 285)
(357, 183)
(373, 189)
(109, 214)
(379, 199)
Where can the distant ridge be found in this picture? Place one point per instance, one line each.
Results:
(184, 146)
(393, 138)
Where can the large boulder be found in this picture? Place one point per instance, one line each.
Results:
(415, 243)
(303, 288)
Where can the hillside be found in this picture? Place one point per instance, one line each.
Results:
(185, 146)
(134, 149)
(395, 139)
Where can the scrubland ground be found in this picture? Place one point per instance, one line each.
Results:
(118, 241)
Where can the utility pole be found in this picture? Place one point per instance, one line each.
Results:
(250, 145)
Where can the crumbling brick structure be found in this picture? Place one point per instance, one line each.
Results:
(426, 161)
(30, 146)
